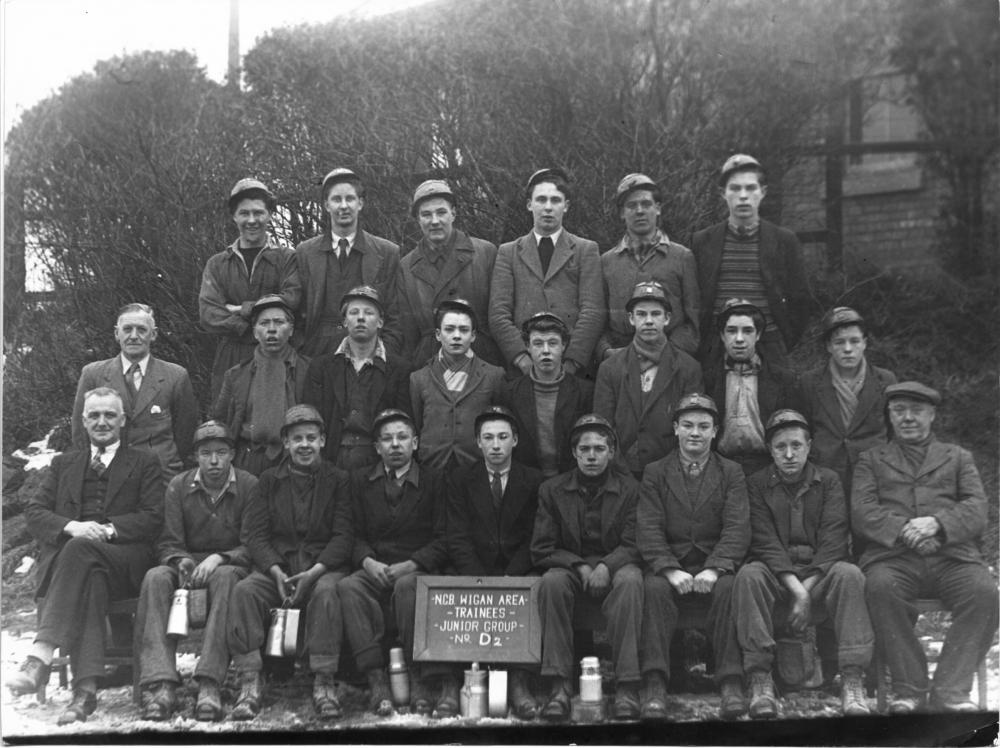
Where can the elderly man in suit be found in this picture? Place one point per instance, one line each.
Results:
(445, 264)
(257, 392)
(359, 379)
(693, 530)
(251, 267)
(747, 257)
(96, 517)
(548, 269)
(343, 258)
(584, 539)
(646, 253)
(919, 503)
(491, 515)
(160, 410)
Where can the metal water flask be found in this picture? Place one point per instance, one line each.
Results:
(275, 646)
(399, 677)
(472, 699)
(177, 622)
(590, 680)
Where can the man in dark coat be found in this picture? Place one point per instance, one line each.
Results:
(693, 529)
(357, 380)
(584, 538)
(298, 531)
(747, 257)
(399, 535)
(548, 399)
(920, 505)
(343, 258)
(799, 560)
(96, 518)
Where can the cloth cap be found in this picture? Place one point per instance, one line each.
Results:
(648, 291)
(339, 174)
(537, 317)
(841, 316)
(914, 391)
(388, 415)
(430, 188)
(302, 414)
(736, 162)
(496, 413)
(543, 174)
(737, 306)
(784, 418)
(366, 293)
(266, 302)
(213, 430)
(696, 401)
(248, 185)
(631, 183)
(593, 422)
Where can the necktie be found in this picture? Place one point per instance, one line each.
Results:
(545, 249)
(96, 464)
(496, 487)
(694, 469)
(133, 378)
(342, 247)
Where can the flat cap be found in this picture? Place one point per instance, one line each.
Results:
(456, 305)
(914, 391)
(840, 316)
(736, 162)
(340, 174)
(539, 317)
(430, 188)
(213, 430)
(784, 418)
(365, 293)
(248, 185)
(737, 306)
(496, 413)
(387, 416)
(632, 182)
(648, 291)
(267, 302)
(547, 174)
(696, 401)
(299, 414)
(593, 422)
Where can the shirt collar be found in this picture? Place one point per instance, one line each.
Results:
(412, 473)
(109, 452)
(335, 240)
(345, 350)
(686, 463)
(197, 482)
(743, 230)
(490, 471)
(126, 364)
(554, 237)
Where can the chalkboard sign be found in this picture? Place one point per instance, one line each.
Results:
(477, 619)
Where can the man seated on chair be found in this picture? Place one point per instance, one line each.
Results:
(693, 529)
(399, 523)
(200, 548)
(96, 517)
(584, 538)
(800, 559)
(919, 504)
(298, 531)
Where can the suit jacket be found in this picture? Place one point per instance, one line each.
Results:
(466, 275)
(379, 269)
(888, 492)
(572, 401)
(557, 540)
(269, 522)
(824, 518)
(716, 522)
(481, 540)
(134, 504)
(781, 269)
(571, 289)
(644, 425)
(326, 389)
(163, 417)
(415, 530)
(834, 445)
(445, 420)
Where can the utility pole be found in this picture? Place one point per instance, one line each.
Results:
(234, 44)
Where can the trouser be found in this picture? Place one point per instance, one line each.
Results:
(839, 596)
(966, 589)
(157, 656)
(659, 623)
(250, 616)
(558, 594)
(365, 605)
(85, 577)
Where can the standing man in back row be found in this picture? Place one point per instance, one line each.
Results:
(748, 258)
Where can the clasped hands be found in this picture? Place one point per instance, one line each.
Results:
(386, 575)
(90, 530)
(920, 534)
(595, 579)
(684, 583)
(294, 590)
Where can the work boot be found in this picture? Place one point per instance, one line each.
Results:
(447, 703)
(852, 692)
(521, 699)
(626, 705)
(325, 697)
(32, 675)
(82, 706)
(380, 701)
(654, 696)
(558, 707)
(209, 705)
(733, 703)
(159, 701)
(420, 698)
(248, 702)
(763, 704)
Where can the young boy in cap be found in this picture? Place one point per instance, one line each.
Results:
(200, 548)
(750, 258)
(693, 529)
(919, 504)
(548, 269)
(360, 378)
(547, 400)
(256, 393)
(251, 267)
(584, 538)
(638, 386)
(452, 389)
(799, 560)
(646, 253)
(298, 531)
(399, 534)
(445, 264)
(343, 258)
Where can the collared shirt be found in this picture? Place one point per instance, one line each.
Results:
(686, 463)
(744, 230)
(409, 474)
(335, 240)
(744, 429)
(400, 474)
(126, 364)
(345, 350)
(108, 455)
(554, 237)
(643, 250)
(198, 483)
(504, 476)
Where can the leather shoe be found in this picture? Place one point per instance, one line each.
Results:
(626, 705)
(523, 703)
(420, 700)
(905, 705)
(733, 703)
(447, 703)
(380, 699)
(248, 702)
(954, 706)
(32, 675)
(158, 701)
(325, 697)
(209, 705)
(82, 706)
(654, 697)
(558, 707)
